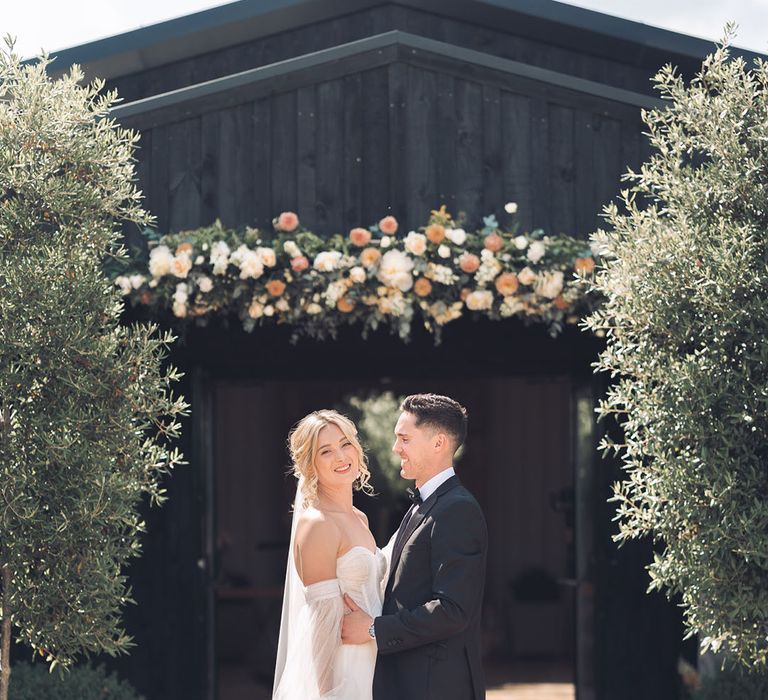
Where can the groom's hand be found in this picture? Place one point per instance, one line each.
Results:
(354, 629)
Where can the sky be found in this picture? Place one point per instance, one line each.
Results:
(55, 24)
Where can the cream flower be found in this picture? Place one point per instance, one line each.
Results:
(386, 241)
(549, 284)
(357, 274)
(327, 261)
(124, 283)
(440, 273)
(160, 259)
(292, 249)
(314, 308)
(457, 236)
(256, 309)
(444, 251)
(181, 264)
(268, 257)
(395, 270)
(521, 242)
(510, 207)
(526, 276)
(282, 305)
(219, 257)
(205, 284)
(416, 243)
(137, 280)
(536, 251)
(249, 262)
(479, 300)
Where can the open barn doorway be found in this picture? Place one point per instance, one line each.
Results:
(518, 462)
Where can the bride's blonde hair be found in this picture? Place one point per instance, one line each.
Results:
(302, 444)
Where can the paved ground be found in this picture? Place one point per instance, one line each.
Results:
(522, 681)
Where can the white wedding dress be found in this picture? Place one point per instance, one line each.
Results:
(312, 663)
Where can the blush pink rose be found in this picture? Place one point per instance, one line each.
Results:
(388, 225)
(469, 263)
(287, 221)
(299, 263)
(494, 242)
(360, 237)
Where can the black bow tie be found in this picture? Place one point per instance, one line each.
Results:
(415, 496)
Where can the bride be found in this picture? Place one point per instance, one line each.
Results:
(332, 552)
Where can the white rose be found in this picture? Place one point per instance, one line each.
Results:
(199, 260)
(457, 236)
(269, 310)
(479, 300)
(416, 243)
(314, 308)
(282, 305)
(357, 274)
(510, 207)
(549, 284)
(521, 242)
(386, 241)
(268, 256)
(292, 249)
(444, 251)
(205, 284)
(160, 260)
(395, 270)
(536, 251)
(327, 261)
(526, 276)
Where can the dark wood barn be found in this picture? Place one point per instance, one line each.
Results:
(345, 111)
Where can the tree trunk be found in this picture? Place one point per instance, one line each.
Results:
(5, 635)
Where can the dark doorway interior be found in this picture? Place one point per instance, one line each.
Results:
(517, 462)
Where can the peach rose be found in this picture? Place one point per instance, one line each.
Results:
(435, 233)
(287, 221)
(388, 225)
(275, 287)
(422, 287)
(360, 237)
(370, 256)
(468, 262)
(184, 248)
(507, 283)
(584, 266)
(299, 263)
(494, 242)
(561, 302)
(345, 305)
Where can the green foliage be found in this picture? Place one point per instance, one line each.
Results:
(734, 684)
(375, 416)
(686, 321)
(34, 682)
(86, 408)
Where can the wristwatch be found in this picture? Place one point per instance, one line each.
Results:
(372, 630)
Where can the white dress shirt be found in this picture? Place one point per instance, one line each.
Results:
(428, 488)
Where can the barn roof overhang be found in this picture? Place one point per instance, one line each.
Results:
(365, 54)
(548, 21)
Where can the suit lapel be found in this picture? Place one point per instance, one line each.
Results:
(418, 517)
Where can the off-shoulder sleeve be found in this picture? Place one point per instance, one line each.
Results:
(314, 645)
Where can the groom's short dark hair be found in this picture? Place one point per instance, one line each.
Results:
(438, 412)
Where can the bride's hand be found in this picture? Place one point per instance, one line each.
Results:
(355, 624)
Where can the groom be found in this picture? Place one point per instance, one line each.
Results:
(428, 635)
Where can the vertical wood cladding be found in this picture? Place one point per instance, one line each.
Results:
(400, 139)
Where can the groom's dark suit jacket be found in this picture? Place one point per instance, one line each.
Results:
(428, 635)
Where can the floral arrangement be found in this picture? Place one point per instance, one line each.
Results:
(374, 276)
